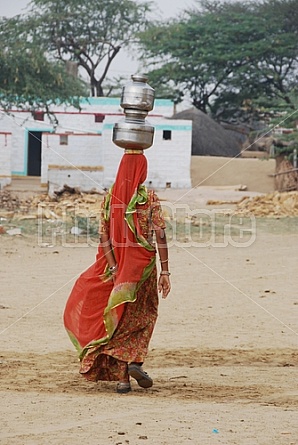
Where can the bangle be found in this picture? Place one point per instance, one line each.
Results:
(165, 272)
(164, 261)
(113, 269)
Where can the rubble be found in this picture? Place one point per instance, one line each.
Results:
(8, 201)
(276, 204)
(50, 208)
(88, 205)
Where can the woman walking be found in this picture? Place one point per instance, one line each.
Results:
(111, 312)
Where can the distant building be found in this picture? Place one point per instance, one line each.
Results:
(79, 152)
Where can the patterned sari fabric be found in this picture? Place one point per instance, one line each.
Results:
(111, 321)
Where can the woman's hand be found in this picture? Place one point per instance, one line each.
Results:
(164, 285)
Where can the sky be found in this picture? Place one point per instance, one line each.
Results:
(168, 8)
(123, 64)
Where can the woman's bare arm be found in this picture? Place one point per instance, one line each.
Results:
(107, 248)
(164, 284)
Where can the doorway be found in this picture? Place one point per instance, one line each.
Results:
(34, 153)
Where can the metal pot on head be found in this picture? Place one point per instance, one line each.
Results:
(133, 132)
(137, 94)
(135, 135)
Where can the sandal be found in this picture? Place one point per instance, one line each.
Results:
(143, 379)
(123, 387)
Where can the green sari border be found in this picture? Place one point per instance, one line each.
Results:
(125, 292)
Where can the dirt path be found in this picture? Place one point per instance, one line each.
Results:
(223, 357)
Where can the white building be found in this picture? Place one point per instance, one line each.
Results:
(79, 151)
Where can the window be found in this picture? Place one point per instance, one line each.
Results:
(167, 135)
(99, 117)
(63, 139)
(38, 115)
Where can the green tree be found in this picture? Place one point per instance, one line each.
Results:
(27, 78)
(277, 60)
(226, 55)
(90, 33)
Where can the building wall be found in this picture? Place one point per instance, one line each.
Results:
(90, 147)
(82, 150)
(5, 159)
(19, 123)
(85, 179)
(216, 171)
(168, 160)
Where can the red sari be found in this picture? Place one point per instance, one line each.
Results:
(111, 322)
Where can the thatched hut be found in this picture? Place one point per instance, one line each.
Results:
(208, 137)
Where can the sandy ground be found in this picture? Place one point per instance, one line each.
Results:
(223, 356)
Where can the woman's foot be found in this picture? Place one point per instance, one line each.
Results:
(123, 387)
(135, 370)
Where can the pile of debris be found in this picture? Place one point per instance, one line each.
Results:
(66, 202)
(8, 202)
(275, 204)
(88, 205)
